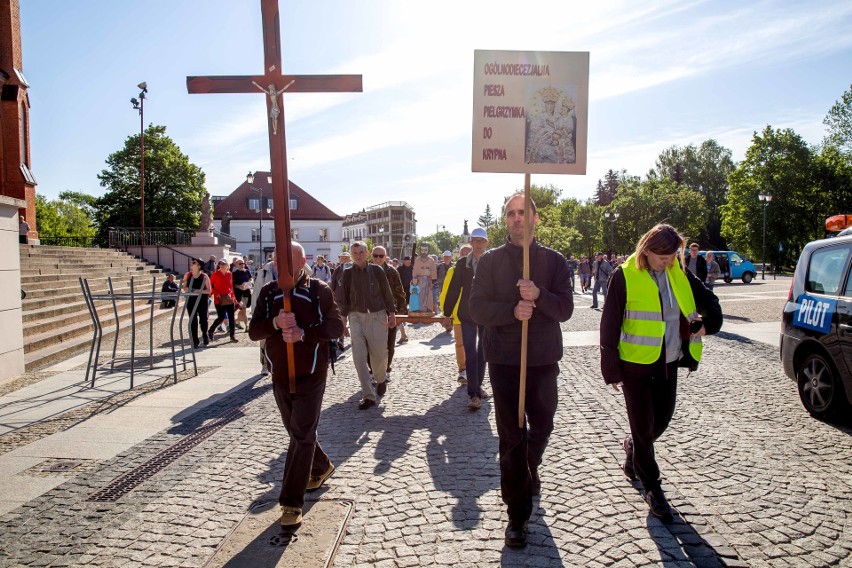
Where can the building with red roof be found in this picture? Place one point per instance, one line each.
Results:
(246, 214)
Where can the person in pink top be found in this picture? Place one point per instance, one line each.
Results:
(222, 282)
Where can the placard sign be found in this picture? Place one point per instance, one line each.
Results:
(530, 111)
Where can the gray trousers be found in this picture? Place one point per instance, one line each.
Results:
(369, 334)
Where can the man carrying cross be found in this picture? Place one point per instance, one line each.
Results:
(272, 83)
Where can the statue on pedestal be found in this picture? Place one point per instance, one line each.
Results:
(206, 221)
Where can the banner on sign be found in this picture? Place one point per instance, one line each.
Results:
(530, 111)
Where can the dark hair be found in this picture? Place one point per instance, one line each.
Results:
(661, 239)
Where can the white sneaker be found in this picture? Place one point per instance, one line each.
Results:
(463, 377)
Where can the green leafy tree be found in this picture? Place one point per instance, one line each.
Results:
(584, 217)
(704, 169)
(553, 233)
(486, 219)
(443, 240)
(641, 205)
(779, 163)
(63, 218)
(839, 123)
(174, 187)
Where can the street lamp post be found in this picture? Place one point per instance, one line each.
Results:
(140, 106)
(765, 198)
(260, 208)
(612, 216)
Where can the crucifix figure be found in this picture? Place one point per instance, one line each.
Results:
(273, 95)
(272, 76)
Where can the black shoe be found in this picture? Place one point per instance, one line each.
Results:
(516, 534)
(535, 483)
(210, 335)
(366, 403)
(660, 507)
(381, 388)
(629, 471)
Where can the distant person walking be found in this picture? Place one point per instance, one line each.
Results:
(224, 299)
(602, 269)
(197, 284)
(23, 231)
(653, 321)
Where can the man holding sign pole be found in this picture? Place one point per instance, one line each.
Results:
(504, 302)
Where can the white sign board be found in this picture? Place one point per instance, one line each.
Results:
(530, 111)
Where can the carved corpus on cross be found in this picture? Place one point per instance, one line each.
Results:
(273, 84)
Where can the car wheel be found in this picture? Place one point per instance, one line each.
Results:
(748, 277)
(819, 387)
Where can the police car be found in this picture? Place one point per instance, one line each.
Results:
(816, 341)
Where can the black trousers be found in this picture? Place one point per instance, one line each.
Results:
(199, 317)
(300, 413)
(650, 402)
(521, 449)
(220, 317)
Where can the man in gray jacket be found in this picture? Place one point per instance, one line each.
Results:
(601, 272)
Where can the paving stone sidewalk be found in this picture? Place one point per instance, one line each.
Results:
(756, 481)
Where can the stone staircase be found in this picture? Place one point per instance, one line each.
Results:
(57, 324)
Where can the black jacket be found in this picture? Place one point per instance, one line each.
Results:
(316, 313)
(612, 367)
(458, 290)
(700, 267)
(495, 294)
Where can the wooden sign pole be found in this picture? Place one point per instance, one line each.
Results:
(525, 325)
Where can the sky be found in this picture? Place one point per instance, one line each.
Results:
(662, 73)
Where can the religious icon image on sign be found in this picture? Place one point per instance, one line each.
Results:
(551, 125)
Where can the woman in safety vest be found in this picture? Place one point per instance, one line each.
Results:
(653, 321)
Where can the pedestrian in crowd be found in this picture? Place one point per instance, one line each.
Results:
(585, 271)
(321, 270)
(451, 318)
(395, 264)
(696, 264)
(210, 265)
(169, 287)
(197, 285)
(263, 275)
(601, 271)
(242, 291)
(380, 259)
(406, 274)
(612, 261)
(714, 272)
(224, 299)
(572, 268)
(23, 231)
(444, 266)
(345, 261)
(365, 300)
(501, 299)
(313, 320)
(653, 321)
(473, 334)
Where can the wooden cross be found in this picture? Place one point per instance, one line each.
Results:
(273, 84)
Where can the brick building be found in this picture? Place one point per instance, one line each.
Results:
(16, 178)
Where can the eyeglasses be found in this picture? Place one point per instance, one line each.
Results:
(378, 256)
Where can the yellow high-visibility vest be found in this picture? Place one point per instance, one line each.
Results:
(643, 329)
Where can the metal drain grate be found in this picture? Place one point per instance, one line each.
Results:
(127, 482)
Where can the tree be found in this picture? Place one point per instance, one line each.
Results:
(779, 163)
(486, 219)
(641, 205)
(174, 187)
(553, 233)
(63, 218)
(585, 218)
(704, 169)
(839, 123)
(443, 240)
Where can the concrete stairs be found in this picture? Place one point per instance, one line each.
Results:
(57, 324)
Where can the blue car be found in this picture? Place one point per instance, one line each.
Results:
(734, 267)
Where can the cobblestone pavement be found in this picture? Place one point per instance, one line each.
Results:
(756, 481)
